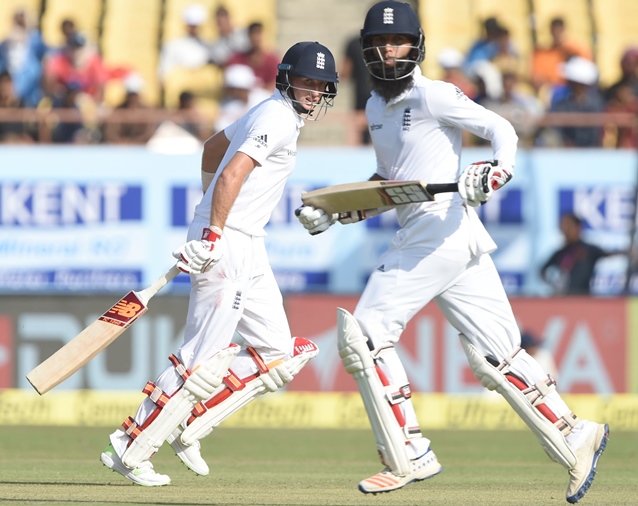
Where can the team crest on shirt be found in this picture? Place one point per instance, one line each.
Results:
(407, 119)
(261, 140)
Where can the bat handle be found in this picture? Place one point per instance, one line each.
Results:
(434, 188)
(146, 294)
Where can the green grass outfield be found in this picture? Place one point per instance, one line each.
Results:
(60, 466)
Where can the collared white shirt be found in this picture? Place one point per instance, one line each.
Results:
(268, 133)
(418, 135)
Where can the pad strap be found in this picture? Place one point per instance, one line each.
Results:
(566, 423)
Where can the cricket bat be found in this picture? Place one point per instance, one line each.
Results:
(343, 198)
(96, 337)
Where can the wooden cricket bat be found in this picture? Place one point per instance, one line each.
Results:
(92, 340)
(343, 198)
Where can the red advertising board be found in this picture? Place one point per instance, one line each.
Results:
(6, 352)
(586, 336)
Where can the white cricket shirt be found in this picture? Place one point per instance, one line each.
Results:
(268, 133)
(418, 135)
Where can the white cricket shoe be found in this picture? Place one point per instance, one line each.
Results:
(190, 455)
(422, 468)
(588, 441)
(144, 474)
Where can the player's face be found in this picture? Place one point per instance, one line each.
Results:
(392, 47)
(308, 92)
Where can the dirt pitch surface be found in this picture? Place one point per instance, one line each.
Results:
(60, 466)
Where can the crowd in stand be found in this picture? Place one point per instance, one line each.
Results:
(563, 78)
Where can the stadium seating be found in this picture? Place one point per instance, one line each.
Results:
(130, 38)
(577, 16)
(8, 8)
(86, 15)
(616, 29)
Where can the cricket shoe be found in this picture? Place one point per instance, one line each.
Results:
(189, 454)
(422, 468)
(588, 441)
(144, 474)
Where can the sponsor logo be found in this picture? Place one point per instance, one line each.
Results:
(292, 153)
(303, 346)
(261, 140)
(381, 268)
(376, 127)
(321, 61)
(124, 311)
(459, 94)
(388, 16)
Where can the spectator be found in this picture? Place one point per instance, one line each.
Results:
(505, 57)
(451, 61)
(190, 50)
(21, 55)
(78, 64)
(353, 68)
(11, 131)
(263, 62)
(546, 62)
(190, 118)
(522, 109)
(490, 44)
(128, 132)
(623, 99)
(534, 347)
(239, 96)
(67, 131)
(629, 73)
(579, 94)
(230, 40)
(570, 269)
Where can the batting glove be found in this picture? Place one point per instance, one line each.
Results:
(314, 219)
(196, 257)
(479, 180)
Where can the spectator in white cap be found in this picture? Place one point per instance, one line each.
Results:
(451, 62)
(579, 94)
(190, 50)
(241, 93)
(126, 131)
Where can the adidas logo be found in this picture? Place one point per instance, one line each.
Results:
(261, 140)
(381, 268)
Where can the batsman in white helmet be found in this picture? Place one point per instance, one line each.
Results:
(244, 170)
(441, 253)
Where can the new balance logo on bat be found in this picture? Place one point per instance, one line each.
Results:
(124, 309)
(127, 309)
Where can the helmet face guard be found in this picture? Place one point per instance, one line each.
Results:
(309, 60)
(392, 18)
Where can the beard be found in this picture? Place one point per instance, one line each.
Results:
(390, 89)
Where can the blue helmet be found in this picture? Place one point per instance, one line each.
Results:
(392, 17)
(313, 61)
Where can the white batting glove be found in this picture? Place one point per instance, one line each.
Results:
(200, 256)
(314, 219)
(479, 180)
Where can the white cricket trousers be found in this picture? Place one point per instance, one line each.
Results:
(466, 288)
(239, 294)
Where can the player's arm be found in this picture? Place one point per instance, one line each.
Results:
(215, 148)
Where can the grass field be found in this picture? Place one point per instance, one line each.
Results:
(60, 466)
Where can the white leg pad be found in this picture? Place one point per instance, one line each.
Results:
(197, 387)
(357, 359)
(549, 436)
(277, 377)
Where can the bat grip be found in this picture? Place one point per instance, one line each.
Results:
(148, 292)
(434, 188)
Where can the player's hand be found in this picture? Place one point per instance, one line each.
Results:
(314, 219)
(479, 180)
(196, 257)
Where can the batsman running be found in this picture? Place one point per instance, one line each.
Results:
(441, 253)
(244, 170)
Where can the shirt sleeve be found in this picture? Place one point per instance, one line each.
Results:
(268, 132)
(451, 106)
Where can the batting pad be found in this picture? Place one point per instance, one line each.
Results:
(199, 386)
(547, 433)
(357, 359)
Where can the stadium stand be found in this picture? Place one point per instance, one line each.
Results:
(616, 30)
(8, 7)
(577, 16)
(130, 37)
(86, 18)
